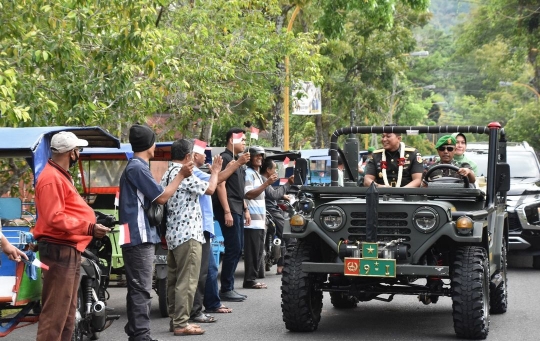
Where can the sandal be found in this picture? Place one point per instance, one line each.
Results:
(255, 285)
(190, 329)
(221, 310)
(203, 318)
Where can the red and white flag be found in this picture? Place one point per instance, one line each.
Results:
(286, 162)
(283, 181)
(117, 199)
(199, 147)
(124, 235)
(38, 263)
(254, 133)
(237, 137)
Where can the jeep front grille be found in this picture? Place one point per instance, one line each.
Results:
(391, 226)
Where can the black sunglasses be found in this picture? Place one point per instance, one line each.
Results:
(448, 148)
(80, 149)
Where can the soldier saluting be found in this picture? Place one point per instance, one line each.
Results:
(395, 165)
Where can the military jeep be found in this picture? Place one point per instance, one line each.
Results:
(360, 244)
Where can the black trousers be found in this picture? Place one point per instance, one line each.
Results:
(253, 251)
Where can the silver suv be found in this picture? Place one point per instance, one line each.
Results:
(523, 198)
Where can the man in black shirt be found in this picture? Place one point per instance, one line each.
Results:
(395, 165)
(230, 211)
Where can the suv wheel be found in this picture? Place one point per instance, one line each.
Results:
(341, 300)
(499, 295)
(470, 293)
(301, 304)
(536, 262)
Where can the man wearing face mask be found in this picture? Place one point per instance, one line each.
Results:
(64, 228)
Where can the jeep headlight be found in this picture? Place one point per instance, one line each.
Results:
(425, 219)
(332, 218)
(464, 225)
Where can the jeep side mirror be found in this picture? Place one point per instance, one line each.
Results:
(502, 177)
(300, 171)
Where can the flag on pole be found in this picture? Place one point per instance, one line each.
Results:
(38, 263)
(286, 162)
(124, 235)
(199, 147)
(237, 137)
(254, 133)
(117, 199)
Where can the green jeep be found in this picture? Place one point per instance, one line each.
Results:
(360, 244)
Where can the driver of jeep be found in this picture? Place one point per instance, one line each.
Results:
(446, 147)
(395, 165)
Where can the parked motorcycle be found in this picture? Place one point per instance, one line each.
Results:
(160, 277)
(93, 316)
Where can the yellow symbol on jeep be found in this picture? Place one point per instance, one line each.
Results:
(370, 249)
(352, 266)
(387, 270)
(366, 269)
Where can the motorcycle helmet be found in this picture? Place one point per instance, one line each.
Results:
(256, 150)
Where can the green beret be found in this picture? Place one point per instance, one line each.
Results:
(446, 140)
(371, 149)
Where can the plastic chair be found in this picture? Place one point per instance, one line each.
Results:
(218, 246)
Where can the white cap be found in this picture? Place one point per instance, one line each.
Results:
(65, 141)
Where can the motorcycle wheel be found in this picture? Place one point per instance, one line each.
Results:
(78, 334)
(161, 287)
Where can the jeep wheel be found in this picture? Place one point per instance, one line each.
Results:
(536, 262)
(301, 304)
(499, 295)
(470, 293)
(341, 300)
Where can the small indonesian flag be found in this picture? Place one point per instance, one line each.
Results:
(199, 147)
(237, 138)
(117, 199)
(124, 235)
(38, 263)
(254, 133)
(286, 162)
(283, 181)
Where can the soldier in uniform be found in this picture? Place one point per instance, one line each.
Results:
(395, 165)
(446, 147)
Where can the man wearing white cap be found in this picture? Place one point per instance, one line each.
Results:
(64, 228)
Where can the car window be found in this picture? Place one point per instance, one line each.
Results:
(522, 164)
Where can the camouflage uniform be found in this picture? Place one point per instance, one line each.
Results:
(412, 165)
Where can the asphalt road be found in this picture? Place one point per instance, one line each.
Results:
(259, 317)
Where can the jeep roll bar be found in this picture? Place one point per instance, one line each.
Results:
(492, 130)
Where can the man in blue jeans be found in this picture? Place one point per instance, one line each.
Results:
(207, 290)
(230, 210)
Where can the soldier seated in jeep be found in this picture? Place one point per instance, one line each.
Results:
(446, 147)
(395, 165)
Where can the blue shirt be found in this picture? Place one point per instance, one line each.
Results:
(206, 204)
(138, 187)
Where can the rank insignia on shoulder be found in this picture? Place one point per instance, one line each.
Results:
(419, 158)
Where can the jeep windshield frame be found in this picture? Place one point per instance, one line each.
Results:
(492, 130)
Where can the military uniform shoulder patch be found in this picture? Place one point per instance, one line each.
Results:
(419, 158)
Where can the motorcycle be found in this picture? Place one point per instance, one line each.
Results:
(274, 247)
(93, 316)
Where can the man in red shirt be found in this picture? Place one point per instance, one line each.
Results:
(65, 226)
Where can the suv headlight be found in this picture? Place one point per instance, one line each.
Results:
(425, 219)
(332, 218)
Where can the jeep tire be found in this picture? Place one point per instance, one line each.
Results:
(470, 293)
(499, 295)
(301, 303)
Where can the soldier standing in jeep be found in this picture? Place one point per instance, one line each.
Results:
(395, 165)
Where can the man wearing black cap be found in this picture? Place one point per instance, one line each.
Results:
(138, 190)
(395, 165)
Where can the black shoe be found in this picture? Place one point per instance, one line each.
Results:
(231, 296)
(239, 294)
